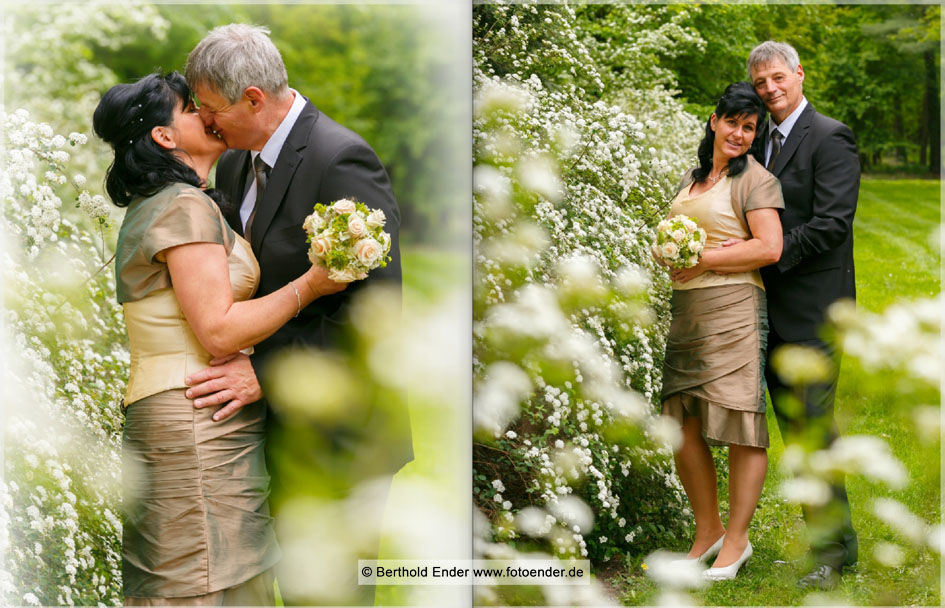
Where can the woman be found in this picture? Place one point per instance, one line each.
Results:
(197, 529)
(712, 375)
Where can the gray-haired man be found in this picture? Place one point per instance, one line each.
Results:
(815, 158)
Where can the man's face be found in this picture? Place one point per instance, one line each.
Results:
(779, 87)
(232, 122)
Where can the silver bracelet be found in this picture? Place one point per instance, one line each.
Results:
(298, 298)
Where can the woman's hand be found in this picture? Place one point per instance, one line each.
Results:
(317, 280)
(684, 275)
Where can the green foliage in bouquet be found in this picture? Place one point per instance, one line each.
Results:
(348, 239)
(679, 242)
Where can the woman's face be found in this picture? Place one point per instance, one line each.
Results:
(733, 134)
(192, 136)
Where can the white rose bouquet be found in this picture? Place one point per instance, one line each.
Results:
(679, 242)
(347, 238)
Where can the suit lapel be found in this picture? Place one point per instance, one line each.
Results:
(230, 179)
(282, 173)
(240, 187)
(798, 133)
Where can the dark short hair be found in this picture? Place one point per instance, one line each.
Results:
(738, 99)
(124, 119)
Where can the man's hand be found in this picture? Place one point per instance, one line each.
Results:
(230, 380)
(684, 275)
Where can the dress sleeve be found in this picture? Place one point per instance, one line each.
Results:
(684, 182)
(190, 217)
(763, 193)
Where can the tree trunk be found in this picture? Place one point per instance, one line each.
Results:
(933, 97)
(900, 132)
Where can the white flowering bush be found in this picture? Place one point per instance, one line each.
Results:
(577, 143)
(63, 336)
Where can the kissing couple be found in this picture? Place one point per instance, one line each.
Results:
(216, 284)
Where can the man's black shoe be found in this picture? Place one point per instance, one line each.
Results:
(822, 577)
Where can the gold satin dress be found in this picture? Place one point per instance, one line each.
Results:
(196, 517)
(713, 368)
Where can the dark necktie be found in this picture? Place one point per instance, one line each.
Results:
(262, 176)
(776, 139)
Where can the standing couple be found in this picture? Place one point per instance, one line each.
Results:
(776, 196)
(214, 285)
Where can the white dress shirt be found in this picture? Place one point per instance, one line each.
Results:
(785, 127)
(270, 153)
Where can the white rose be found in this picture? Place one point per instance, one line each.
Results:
(313, 223)
(669, 251)
(368, 251)
(356, 226)
(663, 226)
(321, 246)
(384, 239)
(692, 261)
(376, 219)
(690, 225)
(695, 246)
(678, 235)
(345, 275)
(343, 206)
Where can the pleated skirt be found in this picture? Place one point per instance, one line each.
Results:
(196, 517)
(714, 364)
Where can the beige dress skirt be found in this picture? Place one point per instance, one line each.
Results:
(196, 518)
(714, 362)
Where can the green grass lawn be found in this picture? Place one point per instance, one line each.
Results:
(895, 258)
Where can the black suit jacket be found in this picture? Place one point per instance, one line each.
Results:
(320, 162)
(819, 170)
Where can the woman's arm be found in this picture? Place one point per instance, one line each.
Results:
(201, 280)
(762, 249)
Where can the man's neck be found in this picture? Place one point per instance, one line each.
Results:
(779, 119)
(275, 114)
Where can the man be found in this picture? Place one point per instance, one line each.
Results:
(816, 160)
(285, 156)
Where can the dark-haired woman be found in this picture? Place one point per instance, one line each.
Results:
(197, 529)
(712, 375)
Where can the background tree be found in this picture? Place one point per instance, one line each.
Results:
(378, 70)
(874, 67)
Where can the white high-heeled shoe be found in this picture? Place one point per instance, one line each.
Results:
(728, 572)
(708, 554)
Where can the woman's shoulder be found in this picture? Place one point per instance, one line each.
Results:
(754, 174)
(686, 180)
(174, 204)
(185, 193)
(176, 196)
(756, 169)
